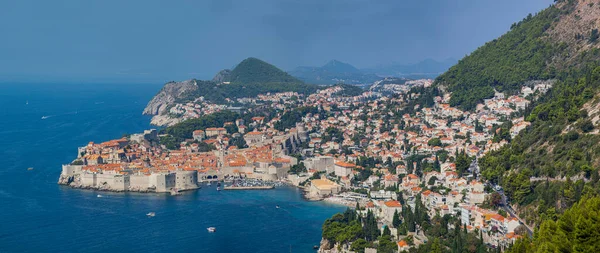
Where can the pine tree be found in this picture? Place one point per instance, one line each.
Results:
(436, 247)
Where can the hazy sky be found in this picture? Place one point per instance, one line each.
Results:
(148, 40)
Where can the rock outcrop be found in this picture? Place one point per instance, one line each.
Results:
(222, 76)
(168, 95)
(164, 120)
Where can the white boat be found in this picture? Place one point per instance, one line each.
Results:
(277, 207)
(208, 184)
(45, 117)
(218, 188)
(99, 196)
(211, 229)
(151, 214)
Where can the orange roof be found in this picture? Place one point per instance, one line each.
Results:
(402, 243)
(345, 164)
(393, 203)
(282, 160)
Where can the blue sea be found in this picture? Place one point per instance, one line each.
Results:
(38, 215)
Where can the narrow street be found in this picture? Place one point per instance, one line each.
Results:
(474, 168)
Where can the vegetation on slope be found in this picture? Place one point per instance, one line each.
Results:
(253, 70)
(558, 145)
(248, 79)
(505, 63)
(577, 230)
(445, 234)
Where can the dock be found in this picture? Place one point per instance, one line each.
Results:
(262, 187)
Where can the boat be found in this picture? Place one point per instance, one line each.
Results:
(99, 196)
(175, 192)
(30, 168)
(218, 183)
(218, 188)
(211, 229)
(151, 214)
(277, 206)
(45, 117)
(208, 184)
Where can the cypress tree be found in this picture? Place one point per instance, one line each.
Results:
(396, 219)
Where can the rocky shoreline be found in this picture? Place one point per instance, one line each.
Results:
(164, 120)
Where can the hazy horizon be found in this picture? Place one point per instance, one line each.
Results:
(155, 41)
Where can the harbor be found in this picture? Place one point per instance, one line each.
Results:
(250, 184)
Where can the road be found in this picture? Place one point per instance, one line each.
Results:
(474, 168)
(506, 206)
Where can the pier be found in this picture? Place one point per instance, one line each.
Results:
(261, 187)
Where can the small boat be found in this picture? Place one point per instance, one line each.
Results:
(151, 214)
(218, 188)
(99, 196)
(211, 229)
(218, 183)
(30, 168)
(315, 247)
(277, 206)
(208, 184)
(45, 117)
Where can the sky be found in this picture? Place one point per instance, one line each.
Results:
(158, 41)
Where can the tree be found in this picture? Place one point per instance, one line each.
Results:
(495, 199)
(462, 163)
(297, 169)
(436, 247)
(434, 142)
(386, 231)
(386, 245)
(594, 35)
(396, 220)
(359, 245)
(432, 180)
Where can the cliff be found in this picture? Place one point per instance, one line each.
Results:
(168, 95)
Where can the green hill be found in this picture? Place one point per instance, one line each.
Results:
(503, 64)
(253, 70)
(248, 79)
(561, 148)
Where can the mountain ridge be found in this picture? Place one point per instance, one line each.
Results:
(333, 72)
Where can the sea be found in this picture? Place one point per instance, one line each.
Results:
(41, 126)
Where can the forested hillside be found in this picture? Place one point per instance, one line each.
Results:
(505, 63)
(577, 230)
(248, 79)
(554, 162)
